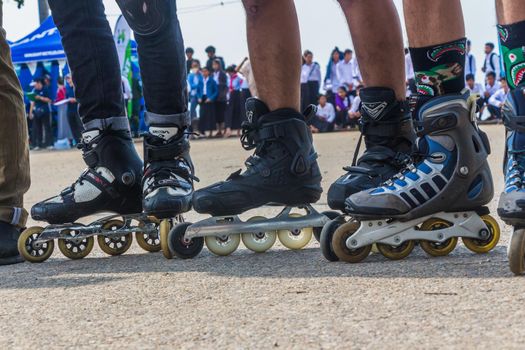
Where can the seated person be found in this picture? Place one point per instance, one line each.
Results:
(476, 89)
(354, 113)
(497, 100)
(491, 87)
(324, 117)
(343, 102)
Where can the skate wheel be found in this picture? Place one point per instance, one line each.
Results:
(481, 246)
(261, 241)
(164, 231)
(436, 248)
(344, 253)
(114, 245)
(180, 246)
(75, 248)
(330, 214)
(516, 252)
(295, 239)
(150, 242)
(224, 245)
(396, 253)
(31, 251)
(327, 235)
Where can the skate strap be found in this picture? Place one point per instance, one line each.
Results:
(360, 170)
(431, 125)
(168, 151)
(99, 182)
(381, 128)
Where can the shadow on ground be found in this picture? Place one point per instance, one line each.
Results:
(278, 263)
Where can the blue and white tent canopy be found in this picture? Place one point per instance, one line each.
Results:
(43, 44)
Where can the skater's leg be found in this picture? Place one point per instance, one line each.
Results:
(112, 181)
(385, 123)
(168, 177)
(275, 51)
(436, 35)
(14, 156)
(511, 30)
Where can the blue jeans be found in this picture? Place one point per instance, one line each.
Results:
(92, 56)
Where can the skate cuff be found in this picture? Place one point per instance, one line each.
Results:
(439, 123)
(179, 120)
(112, 123)
(514, 122)
(391, 128)
(169, 151)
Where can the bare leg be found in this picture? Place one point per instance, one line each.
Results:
(433, 22)
(275, 51)
(376, 33)
(510, 11)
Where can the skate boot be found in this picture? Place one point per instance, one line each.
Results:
(283, 168)
(511, 207)
(168, 174)
(438, 197)
(282, 171)
(111, 183)
(386, 126)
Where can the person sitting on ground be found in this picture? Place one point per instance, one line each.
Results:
(354, 113)
(324, 118)
(491, 87)
(497, 100)
(476, 89)
(343, 102)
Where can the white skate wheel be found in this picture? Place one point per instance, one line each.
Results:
(295, 239)
(261, 241)
(224, 245)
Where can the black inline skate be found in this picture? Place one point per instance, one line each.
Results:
(386, 126)
(111, 184)
(282, 171)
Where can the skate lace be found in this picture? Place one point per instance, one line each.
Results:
(410, 166)
(515, 171)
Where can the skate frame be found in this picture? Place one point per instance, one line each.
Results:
(222, 226)
(394, 232)
(95, 228)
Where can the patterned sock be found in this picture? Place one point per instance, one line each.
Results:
(440, 68)
(512, 40)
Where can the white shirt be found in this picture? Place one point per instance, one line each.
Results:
(409, 67)
(492, 89)
(498, 98)
(356, 103)
(310, 72)
(333, 83)
(327, 112)
(346, 72)
(205, 90)
(470, 64)
(477, 89)
(495, 62)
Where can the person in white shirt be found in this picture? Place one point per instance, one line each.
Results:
(470, 61)
(324, 117)
(331, 81)
(497, 100)
(491, 86)
(346, 71)
(410, 75)
(476, 89)
(354, 113)
(491, 63)
(310, 80)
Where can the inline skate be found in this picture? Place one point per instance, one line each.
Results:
(111, 183)
(282, 170)
(386, 126)
(438, 197)
(511, 207)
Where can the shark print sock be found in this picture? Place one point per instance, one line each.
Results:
(439, 69)
(512, 40)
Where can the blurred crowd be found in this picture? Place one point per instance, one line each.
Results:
(218, 92)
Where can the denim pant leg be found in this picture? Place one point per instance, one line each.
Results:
(162, 61)
(93, 60)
